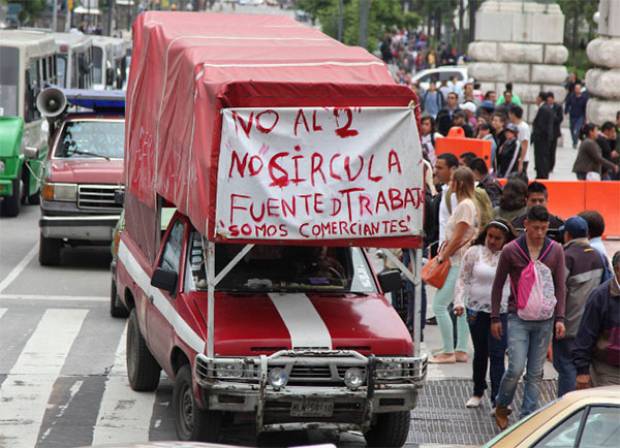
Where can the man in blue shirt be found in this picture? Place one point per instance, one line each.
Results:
(575, 107)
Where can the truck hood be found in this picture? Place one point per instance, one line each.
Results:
(85, 171)
(263, 324)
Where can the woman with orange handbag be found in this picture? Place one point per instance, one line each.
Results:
(460, 230)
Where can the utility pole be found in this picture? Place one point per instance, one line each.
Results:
(364, 11)
(110, 16)
(340, 19)
(54, 15)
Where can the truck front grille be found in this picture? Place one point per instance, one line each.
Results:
(99, 197)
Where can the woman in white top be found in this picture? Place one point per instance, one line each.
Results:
(473, 291)
(460, 230)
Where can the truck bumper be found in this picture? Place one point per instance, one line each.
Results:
(84, 228)
(295, 407)
(6, 187)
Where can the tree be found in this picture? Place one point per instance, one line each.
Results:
(382, 16)
(30, 10)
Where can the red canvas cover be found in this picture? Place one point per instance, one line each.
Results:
(187, 67)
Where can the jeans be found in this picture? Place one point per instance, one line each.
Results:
(563, 363)
(486, 348)
(575, 126)
(528, 342)
(442, 299)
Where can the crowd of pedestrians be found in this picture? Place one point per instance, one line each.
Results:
(501, 121)
(520, 279)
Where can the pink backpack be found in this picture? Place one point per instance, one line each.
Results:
(535, 292)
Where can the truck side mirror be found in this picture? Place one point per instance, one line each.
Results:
(31, 152)
(165, 279)
(390, 280)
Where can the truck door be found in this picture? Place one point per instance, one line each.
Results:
(161, 309)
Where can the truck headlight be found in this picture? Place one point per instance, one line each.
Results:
(354, 378)
(229, 369)
(59, 192)
(389, 370)
(2, 166)
(278, 377)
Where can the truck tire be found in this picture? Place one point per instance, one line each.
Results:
(191, 422)
(390, 430)
(117, 309)
(49, 251)
(11, 204)
(143, 371)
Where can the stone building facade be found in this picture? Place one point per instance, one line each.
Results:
(520, 42)
(603, 81)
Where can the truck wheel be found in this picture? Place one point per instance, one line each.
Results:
(11, 204)
(143, 370)
(117, 309)
(390, 430)
(49, 251)
(192, 423)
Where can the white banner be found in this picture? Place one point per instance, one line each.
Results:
(319, 173)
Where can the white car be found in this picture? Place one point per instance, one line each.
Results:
(251, 2)
(445, 72)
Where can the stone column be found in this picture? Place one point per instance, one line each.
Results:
(603, 82)
(520, 42)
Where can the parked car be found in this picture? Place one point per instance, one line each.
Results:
(443, 73)
(585, 418)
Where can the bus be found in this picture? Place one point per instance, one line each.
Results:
(28, 65)
(109, 62)
(74, 55)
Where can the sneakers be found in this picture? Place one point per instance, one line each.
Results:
(501, 417)
(473, 402)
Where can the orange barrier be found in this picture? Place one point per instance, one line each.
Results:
(605, 198)
(457, 144)
(569, 197)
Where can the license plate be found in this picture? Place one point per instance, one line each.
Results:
(312, 407)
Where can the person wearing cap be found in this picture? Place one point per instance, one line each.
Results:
(584, 268)
(508, 153)
(470, 113)
(596, 353)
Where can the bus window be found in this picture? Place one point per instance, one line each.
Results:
(98, 66)
(30, 97)
(61, 70)
(9, 75)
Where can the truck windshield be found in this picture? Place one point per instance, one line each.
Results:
(285, 269)
(91, 139)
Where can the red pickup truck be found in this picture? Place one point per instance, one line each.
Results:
(259, 300)
(81, 195)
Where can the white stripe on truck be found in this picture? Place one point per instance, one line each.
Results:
(305, 326)
(185, 332)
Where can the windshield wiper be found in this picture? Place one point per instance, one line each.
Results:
(92, 154)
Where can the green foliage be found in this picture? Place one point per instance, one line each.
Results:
(31, 9)
(383, 15)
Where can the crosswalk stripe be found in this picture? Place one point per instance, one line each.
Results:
(2, 311)
(26, 391)
(124, 415)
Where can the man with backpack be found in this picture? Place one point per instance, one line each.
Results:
(537, 271)
(585, 272)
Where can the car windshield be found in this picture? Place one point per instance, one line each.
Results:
(92, 139)
(289, 269)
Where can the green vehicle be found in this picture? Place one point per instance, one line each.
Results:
(28, 65)
(12, 164)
